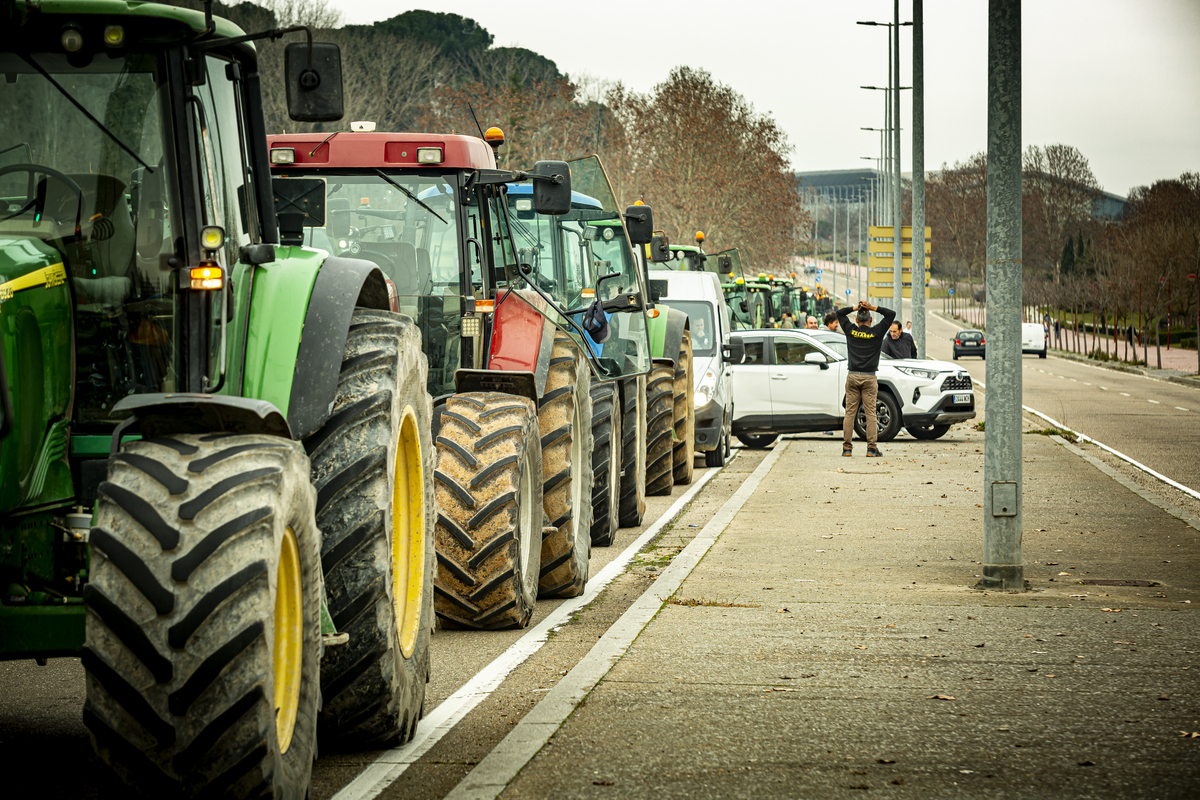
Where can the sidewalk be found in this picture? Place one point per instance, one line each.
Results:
(830, 645)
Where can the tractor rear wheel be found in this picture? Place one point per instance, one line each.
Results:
(633, 453)
(606, 462)
(489, 511)
(565, 421)
(203, 631)
(372, 465)
(660, 421)
(684, 414)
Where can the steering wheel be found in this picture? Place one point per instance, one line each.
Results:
(35, 169)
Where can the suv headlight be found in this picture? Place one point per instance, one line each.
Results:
(917, 372)
(706, 389)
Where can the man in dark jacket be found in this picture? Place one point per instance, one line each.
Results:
(898, 344)
(863, 342)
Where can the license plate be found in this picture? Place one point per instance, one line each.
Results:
(971, 344)
(962, 399)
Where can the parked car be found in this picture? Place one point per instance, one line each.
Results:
(1034, 338)
(969, 343)
(794, 381)
(699, 295)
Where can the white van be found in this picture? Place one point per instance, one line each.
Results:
(698, 294)
(1034, 338)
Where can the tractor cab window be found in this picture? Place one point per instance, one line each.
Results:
(87, 204)
(407, 224)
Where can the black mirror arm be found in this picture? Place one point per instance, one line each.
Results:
(273, 34)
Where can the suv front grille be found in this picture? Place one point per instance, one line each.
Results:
(956, 383)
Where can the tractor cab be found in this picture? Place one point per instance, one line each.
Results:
(584, 258)
(433, 212)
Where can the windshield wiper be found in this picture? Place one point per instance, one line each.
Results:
(86, 113)
(411, 196)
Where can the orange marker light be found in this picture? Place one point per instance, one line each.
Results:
(485, 306)
(494, 136)
(207, 276)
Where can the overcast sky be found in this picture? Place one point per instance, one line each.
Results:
(1118, 79)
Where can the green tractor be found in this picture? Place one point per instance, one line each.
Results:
(509, 367)
(216, 463)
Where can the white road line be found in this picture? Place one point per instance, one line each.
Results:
(1180, 408)
(1153, 401)
(391, 764)
(1085, 383)
(491, 775)
(1105, 388)
(1106, 448)
(1117, 453)
(1125, 394)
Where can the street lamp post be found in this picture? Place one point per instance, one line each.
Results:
(1194, 277)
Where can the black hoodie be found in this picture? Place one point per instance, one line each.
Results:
(863, 341)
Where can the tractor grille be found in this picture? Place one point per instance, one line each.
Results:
(956, 383)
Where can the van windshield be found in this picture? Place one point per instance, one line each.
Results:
(700, 315)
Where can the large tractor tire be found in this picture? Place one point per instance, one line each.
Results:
(203, 632)
(372, 465)
(565, 420)
(489, 504)
(684, 442)
(633, 454)
(606, 462)
(660, 429)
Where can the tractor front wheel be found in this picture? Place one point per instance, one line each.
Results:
(203, 632)
(606, 462)
(660, 429)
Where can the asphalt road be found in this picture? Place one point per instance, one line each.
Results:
(1154, 422)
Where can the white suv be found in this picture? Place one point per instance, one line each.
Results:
(794, 381)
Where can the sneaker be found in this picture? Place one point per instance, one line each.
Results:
(873, 452)
(847, 450)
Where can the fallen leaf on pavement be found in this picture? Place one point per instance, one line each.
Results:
(1064, 573)
(1087, 763)
(1120, 642)
(1113, 610)
(860, 647)
(940, 697)
(1165, 697)
(893, 761)
(784, 611)
(981, 644)
(602, 783)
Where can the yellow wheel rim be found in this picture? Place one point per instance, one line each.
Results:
(289, 634)
(408, 534)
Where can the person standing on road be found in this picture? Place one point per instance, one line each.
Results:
(831, 322)
(863, 343)
(898, 344)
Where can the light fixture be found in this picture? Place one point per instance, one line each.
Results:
(114, 35)
(283, 155)
(429, 155)
(72, 40)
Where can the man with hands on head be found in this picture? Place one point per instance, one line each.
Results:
(863, 343)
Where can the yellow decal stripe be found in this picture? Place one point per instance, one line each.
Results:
(51, 276)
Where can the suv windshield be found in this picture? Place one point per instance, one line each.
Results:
(702, 323)
(90, 200)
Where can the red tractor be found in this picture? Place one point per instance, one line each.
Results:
(510, 361)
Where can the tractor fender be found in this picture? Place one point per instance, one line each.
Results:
(154, 415)
(342, 285)
(677, 323)
(522, 339)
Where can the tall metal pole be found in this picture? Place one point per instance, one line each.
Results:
(860, 261)
(1003, 563)
(833, 266)
(888, 126)
(897, 246)
(847, 196)
(918, 170)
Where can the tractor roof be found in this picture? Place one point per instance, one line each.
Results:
(578, 199)
(359, 150)
(132, 8)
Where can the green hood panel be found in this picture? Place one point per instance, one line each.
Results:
(131, 8)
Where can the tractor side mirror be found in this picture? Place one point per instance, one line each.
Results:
(639, 221)
(724, 264)
(314, 81)
(733, 351)
(551, 187)
(660, 248)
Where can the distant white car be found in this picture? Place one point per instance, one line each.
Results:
(794, 381)
(1034, 338)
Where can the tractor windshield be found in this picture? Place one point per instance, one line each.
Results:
(416, 247)
(86, 202)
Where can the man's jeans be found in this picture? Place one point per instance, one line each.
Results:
(862, 389)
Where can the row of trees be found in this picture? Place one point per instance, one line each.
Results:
(692, 148)
(1110, 278)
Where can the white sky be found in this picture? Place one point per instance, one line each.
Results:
(1118, 79)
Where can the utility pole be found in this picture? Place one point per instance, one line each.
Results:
(1003, 562)
(833, 266)
(897, 246)
(846, 194)
(918, 168)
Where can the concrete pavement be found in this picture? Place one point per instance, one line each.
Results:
(830, 645)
